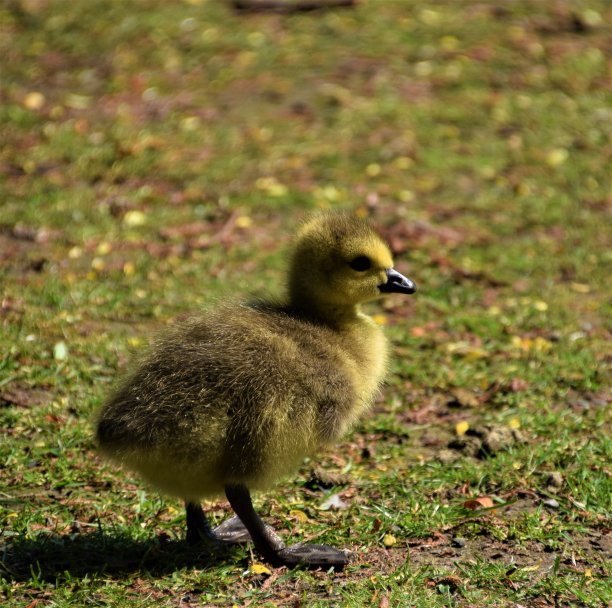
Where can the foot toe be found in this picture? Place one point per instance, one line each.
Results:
(232, 530)
(314, 556)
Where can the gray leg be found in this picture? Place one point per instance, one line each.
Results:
(266, 541)
(198, 527)
(269, 544)
(231, 531)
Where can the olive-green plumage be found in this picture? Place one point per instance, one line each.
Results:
(242, 394)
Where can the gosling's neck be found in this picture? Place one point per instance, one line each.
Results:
(335, 315)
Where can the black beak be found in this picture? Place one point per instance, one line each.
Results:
(397, 283)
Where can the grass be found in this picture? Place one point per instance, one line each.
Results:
(156, 158)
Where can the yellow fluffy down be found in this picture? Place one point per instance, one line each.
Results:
(243, 393)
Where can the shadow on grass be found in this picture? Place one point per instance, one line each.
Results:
(51, 556)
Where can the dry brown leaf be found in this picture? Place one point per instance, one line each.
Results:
(483, 502)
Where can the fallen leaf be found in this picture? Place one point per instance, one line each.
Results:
(466, 350)
(183, 231)
(34, 101)
(514, 423)
(244, 221)
(98, 264)
(450, 581)
(333, 502)
(463, 398)
(483, 502)
(299, 515)
(580, 287)
(134, 218)
(518, 384)
(384, 601)
(104, 248)
(557, 157)
(129, 269)
(271, 186)
(78, 102)
(418, 332)
(462, 427)
(60, 351)
(23, 396)
(541, 306)
(538, 343)
(257, 568)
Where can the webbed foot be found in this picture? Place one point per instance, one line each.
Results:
(271, 547)
(232, 531)
(314, 556)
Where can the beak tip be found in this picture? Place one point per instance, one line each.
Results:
(397, 283)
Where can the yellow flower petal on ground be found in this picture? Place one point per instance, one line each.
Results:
(299, 515)
(462, 427)
(373, 169)
(78, 102)
(103, 248)
(557, 157)
(244, 221)
(271, 186)
(60, 351)
(403, 162)
(34, 100)
(449, 43)
(134, 218)
(190, 123)
(541, 344)
(98, 264)
(259, 569)
(407, 196)
(514, 423)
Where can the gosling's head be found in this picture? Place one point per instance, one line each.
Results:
(340, 262)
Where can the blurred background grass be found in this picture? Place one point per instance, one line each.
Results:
(156, 157)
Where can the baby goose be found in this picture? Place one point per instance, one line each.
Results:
(231, 400)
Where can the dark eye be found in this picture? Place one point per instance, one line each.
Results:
(361, 263)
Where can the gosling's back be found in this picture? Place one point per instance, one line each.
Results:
(241, 395)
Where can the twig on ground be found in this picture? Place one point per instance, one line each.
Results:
(278, 6)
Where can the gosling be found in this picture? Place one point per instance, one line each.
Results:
(231, 400)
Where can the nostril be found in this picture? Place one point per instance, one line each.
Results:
(397, 283)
